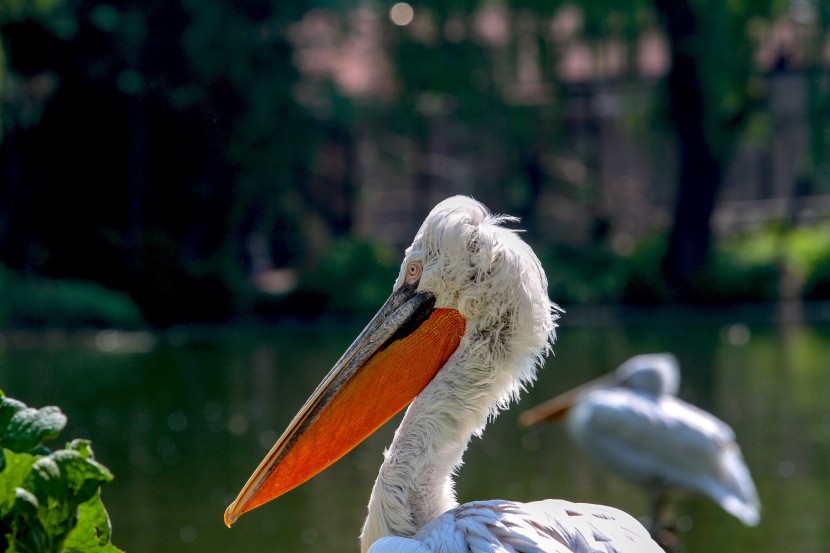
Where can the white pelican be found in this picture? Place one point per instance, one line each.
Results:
(631, 422)
(467, 323)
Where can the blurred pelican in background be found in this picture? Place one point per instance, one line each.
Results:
(468, 322)
(631, 422)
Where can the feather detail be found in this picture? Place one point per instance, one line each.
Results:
(551, 526)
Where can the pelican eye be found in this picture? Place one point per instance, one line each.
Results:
(413, 271)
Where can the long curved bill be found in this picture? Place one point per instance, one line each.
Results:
(557, 407)
(390, 362)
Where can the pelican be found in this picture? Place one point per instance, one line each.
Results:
(631, 422)
(466, 325)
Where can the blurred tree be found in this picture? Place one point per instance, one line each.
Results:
(817, 165)
(711, 93)
(712, 90)
(153, 145)
(700, 173)
(146, 141)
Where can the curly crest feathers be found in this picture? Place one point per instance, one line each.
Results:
(487, 272)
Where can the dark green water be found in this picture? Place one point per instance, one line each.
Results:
(182, 420)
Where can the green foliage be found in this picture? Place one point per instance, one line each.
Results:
(808, 253)
(59, 302)
(353, 276)
(49, 501)
(741, 270)
(23, 428)
(817, 285)
(808, 247)
(17, 9)
(753, 264)
(644, 281)
(584, 275)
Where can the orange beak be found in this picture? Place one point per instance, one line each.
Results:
(557, 407)
(391, 361)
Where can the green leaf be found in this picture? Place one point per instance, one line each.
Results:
(8, 408)
(83, 447)
(28, 534)
(92, 533)
(62, 481)
(83, 475)
(18, 466)
(22, 428)
(56, 511)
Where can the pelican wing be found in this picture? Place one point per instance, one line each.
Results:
(551, 526)
(666, 442)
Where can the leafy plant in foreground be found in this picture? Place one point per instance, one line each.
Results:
(50, 502)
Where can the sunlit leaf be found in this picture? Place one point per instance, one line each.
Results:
(17, 468)
(92, 533)
(23, 428)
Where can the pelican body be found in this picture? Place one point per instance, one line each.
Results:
(466, 325)
(632, 423)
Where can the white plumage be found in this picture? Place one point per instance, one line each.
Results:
(634, 425)
(470, 264)
(496, 282)
(550, 526)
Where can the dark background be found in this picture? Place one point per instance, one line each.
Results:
(174, 161)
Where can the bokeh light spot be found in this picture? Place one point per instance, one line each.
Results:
(238, 424)
(683, 523)
(177, 421)
(188, 534)
(737, 334)
(401, 14)
(309, 536)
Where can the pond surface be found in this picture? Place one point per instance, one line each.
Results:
(183, 418)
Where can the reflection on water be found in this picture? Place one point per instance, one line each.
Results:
(183, 419)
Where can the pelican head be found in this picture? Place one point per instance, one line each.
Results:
(469, 309)
(653, 373)
(493, 279)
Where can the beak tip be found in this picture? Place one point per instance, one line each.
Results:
(230, 516)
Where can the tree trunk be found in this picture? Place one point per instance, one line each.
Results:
(700, 169)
